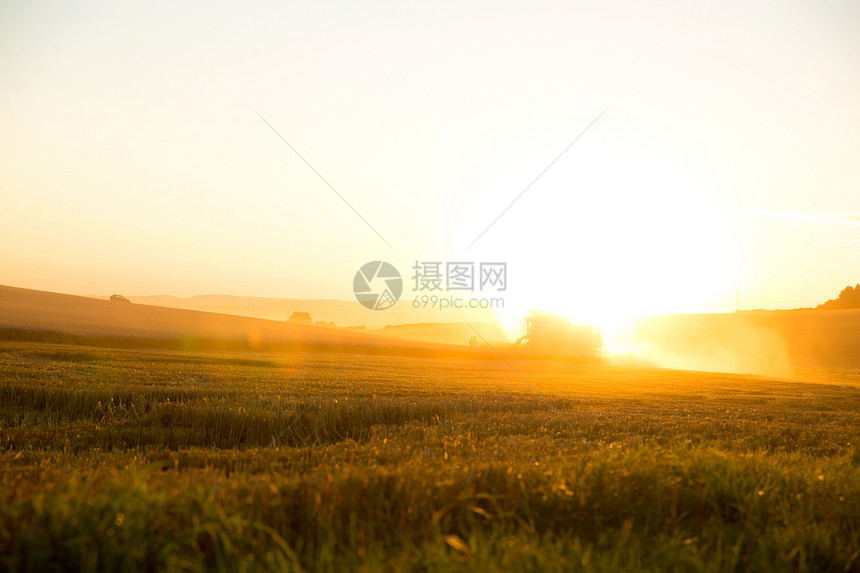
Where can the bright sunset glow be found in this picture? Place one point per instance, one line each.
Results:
(713, 169)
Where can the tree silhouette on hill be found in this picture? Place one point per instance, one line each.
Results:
(848, 298)
(300, 318)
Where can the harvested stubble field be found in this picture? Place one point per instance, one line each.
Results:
(146, 460)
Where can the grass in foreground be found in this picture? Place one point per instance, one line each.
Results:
(132, 460)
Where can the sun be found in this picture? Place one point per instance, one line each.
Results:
(647, 238)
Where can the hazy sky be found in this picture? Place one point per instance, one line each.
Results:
(133, 160)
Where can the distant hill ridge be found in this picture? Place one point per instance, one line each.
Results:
(343, 313)
(27, 314)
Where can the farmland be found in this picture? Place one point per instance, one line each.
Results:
(124, 459)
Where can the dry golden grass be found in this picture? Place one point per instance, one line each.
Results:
(164, 460)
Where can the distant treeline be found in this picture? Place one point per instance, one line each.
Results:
(848, 298)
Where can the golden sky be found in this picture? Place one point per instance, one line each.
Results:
(133, 160)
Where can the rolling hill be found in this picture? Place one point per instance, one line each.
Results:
(341, 312)
(90, 317)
